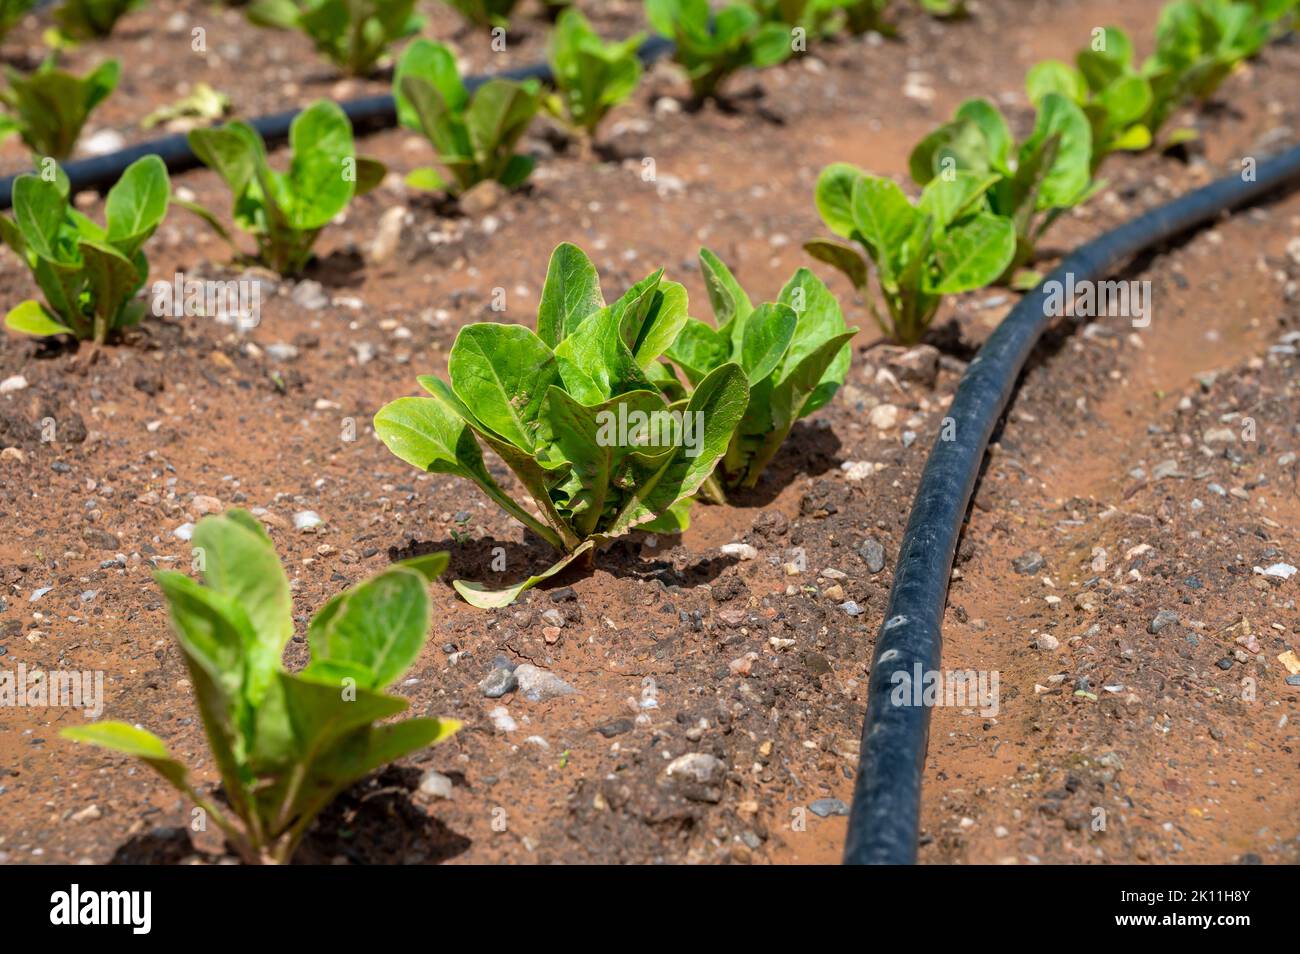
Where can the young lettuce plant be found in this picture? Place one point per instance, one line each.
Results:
(1281, 15)
(829, 17)
(473, 136)
(810, 15)
(947, 242)
(285, 211)
(576, 412)
(710, 47)
(351, 34)
(485, 13)
(92, 19)
(1051, 173)
(863, 16)
(284, 743)
(49, 107)
(1198, 44)
(1114, 97)
(945, 9)
(591, 76)
(795, 353)
(88, 274)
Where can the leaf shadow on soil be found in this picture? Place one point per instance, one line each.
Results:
(374, 822)
(626, 556)
(377, 822)
(808, 451)
(747, 103)
(632, 556)
(341, 268)
(948, 338)
(56, 346)
(332, 76)
(158, 846)
(614, 152)
(20, 60)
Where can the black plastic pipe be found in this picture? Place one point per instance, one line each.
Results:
(884, 821)
(366, 114)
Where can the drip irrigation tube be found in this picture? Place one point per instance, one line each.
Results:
(367, 114)
(884, 819)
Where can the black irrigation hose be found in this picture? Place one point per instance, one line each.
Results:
(885, 817)
(367, 113)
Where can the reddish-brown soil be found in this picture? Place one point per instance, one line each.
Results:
(1152, 473)
(187, 407)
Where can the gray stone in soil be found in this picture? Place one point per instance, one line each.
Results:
(538, 685)
(100, 539)
(697, 767)
(617, 727)
(498, 682)
(826, 807)
(1161, 620)
(1111, 760)
(310, 295)
(873, 554)
(1028, 563)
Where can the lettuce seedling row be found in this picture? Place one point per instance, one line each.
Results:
(582, 411)
(285, 743)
